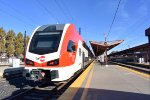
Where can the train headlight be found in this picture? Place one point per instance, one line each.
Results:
(53, 62)
(29, 62)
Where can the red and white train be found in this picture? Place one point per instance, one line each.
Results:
(55, 52)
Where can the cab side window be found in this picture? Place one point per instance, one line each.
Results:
(71, 46)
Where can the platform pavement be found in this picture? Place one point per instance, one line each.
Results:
(109, 83)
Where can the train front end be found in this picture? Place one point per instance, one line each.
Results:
(43, 52)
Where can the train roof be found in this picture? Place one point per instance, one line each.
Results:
(51, 27)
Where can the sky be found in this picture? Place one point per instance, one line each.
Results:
(93, 16)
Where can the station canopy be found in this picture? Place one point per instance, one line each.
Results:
(100, 47)
(133, 50)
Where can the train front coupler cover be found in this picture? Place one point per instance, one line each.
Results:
(35, 75)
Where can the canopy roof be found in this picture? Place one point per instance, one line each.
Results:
(139, 48)
(100, 47)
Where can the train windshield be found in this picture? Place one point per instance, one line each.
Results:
(45, 42)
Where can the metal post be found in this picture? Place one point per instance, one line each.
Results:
(79, 30)
(106, 59)
(105, 43)
(149, 48)
(1, 50)
(147, 33)
(24, 43)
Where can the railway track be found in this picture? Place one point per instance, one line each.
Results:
(143, 69)
(37, 93)
(46, 90)
(43, 91)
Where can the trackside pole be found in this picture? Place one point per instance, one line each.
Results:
(24, 44)
(105, 43)
(147, 33)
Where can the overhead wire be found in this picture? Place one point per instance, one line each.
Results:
(62, 9)
(134, 26)
(141, 20)
(16, 10)
(113, 19)
(48, 11)
(68, 11)
(19, 19)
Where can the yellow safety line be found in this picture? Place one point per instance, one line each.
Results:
(73, 88)
(87, 85)
(137, 72)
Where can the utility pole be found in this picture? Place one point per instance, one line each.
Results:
(80, 30)
(24, 43)
(1, 49)
(105, 43)
(147, 33)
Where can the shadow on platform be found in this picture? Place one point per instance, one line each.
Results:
(97, 94)
(102, 94)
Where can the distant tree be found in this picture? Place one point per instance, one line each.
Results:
(10, 45)
(2, 40)
(19, 42)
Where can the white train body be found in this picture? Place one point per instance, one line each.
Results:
(55, 52)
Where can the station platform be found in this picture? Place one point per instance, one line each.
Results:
(112, 82)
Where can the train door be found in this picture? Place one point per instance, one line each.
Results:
(83, 65)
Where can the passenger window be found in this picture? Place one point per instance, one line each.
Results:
(71, 46)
